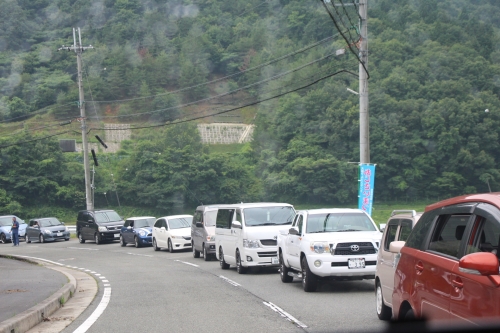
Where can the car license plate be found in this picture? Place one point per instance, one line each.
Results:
(117, 235)
(356, 263)
(274, 260)
(59, 234)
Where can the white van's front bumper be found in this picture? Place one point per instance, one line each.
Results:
(261, 256)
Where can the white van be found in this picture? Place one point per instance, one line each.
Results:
(246, 234)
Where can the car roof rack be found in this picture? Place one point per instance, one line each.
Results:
(403, 211)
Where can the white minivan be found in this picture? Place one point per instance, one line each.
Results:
(246, 234)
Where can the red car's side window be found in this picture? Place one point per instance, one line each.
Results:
(448, 234)
(485, 236)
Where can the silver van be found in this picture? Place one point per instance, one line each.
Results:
(203, 231)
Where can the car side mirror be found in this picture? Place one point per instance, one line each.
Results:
(293, 231)
(480, 263)
(199, 225)
(382, 226)
(396, 246)
(236, 225)
(163, 228)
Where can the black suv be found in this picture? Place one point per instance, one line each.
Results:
(98, 225)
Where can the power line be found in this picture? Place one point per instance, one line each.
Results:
(236, 108)
(37, 139)
(349, 44)
(227, 93)
(270, 62)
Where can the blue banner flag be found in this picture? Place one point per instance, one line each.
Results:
(366, 186)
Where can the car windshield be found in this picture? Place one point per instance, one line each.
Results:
(260, 216)
(7, 221)
(110, 216)
(339, 222)
(144, 223)
(182, 222)
(49, 222)
(210, 218)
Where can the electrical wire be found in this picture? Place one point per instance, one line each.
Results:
(37, 139)
(229, 92)
(235, 108)
(270, 62)
(343, 36)
(332, 3)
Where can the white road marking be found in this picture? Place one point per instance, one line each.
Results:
(229, 281)
(142, 255)
(285, 314)
(50, 261)
(101, 277)
(97, 312)
(188, 263)
(105, 281)
(82, 248)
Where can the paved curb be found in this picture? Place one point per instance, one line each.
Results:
(35, 315)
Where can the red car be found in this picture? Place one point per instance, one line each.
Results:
(449, 265)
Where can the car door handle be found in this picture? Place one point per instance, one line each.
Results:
(457, 283)
(419, 267)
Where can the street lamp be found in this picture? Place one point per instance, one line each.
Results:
(107, 202)
(116, 191)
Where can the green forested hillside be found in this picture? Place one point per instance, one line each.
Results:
(433, 66)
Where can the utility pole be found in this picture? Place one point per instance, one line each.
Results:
(78, 49)
(364, 115)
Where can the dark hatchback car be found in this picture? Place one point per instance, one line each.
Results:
(137, 230)
(449, 266)
(46, 229)
(98, 225)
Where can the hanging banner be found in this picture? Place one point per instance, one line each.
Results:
(366, 187)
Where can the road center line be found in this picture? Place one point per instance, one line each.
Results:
(82, 248)
(284, 314)
(188, 263)
(142, 255)
(229, 281)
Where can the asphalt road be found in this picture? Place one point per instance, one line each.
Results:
(160, 291)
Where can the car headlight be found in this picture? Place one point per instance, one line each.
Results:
(210, 238)
(320, 247)
(143, 233)
(65, 228)
(102, 229)
(250, 243)
(47, 231)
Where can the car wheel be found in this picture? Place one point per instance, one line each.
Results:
(410, 315)
(222, 262)
(136, 242)
(383, 311)
(206, 256)
(285, 278)
(239, 267)
(41, 239)
(196, 254)
(309, 280)
(97, 239)
(122, 241)
(80, 238)
(27, 239)
(3, 239)
(170, 247)
(155, 246)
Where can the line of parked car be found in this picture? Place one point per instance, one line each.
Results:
(43, 230)
(442, 264)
